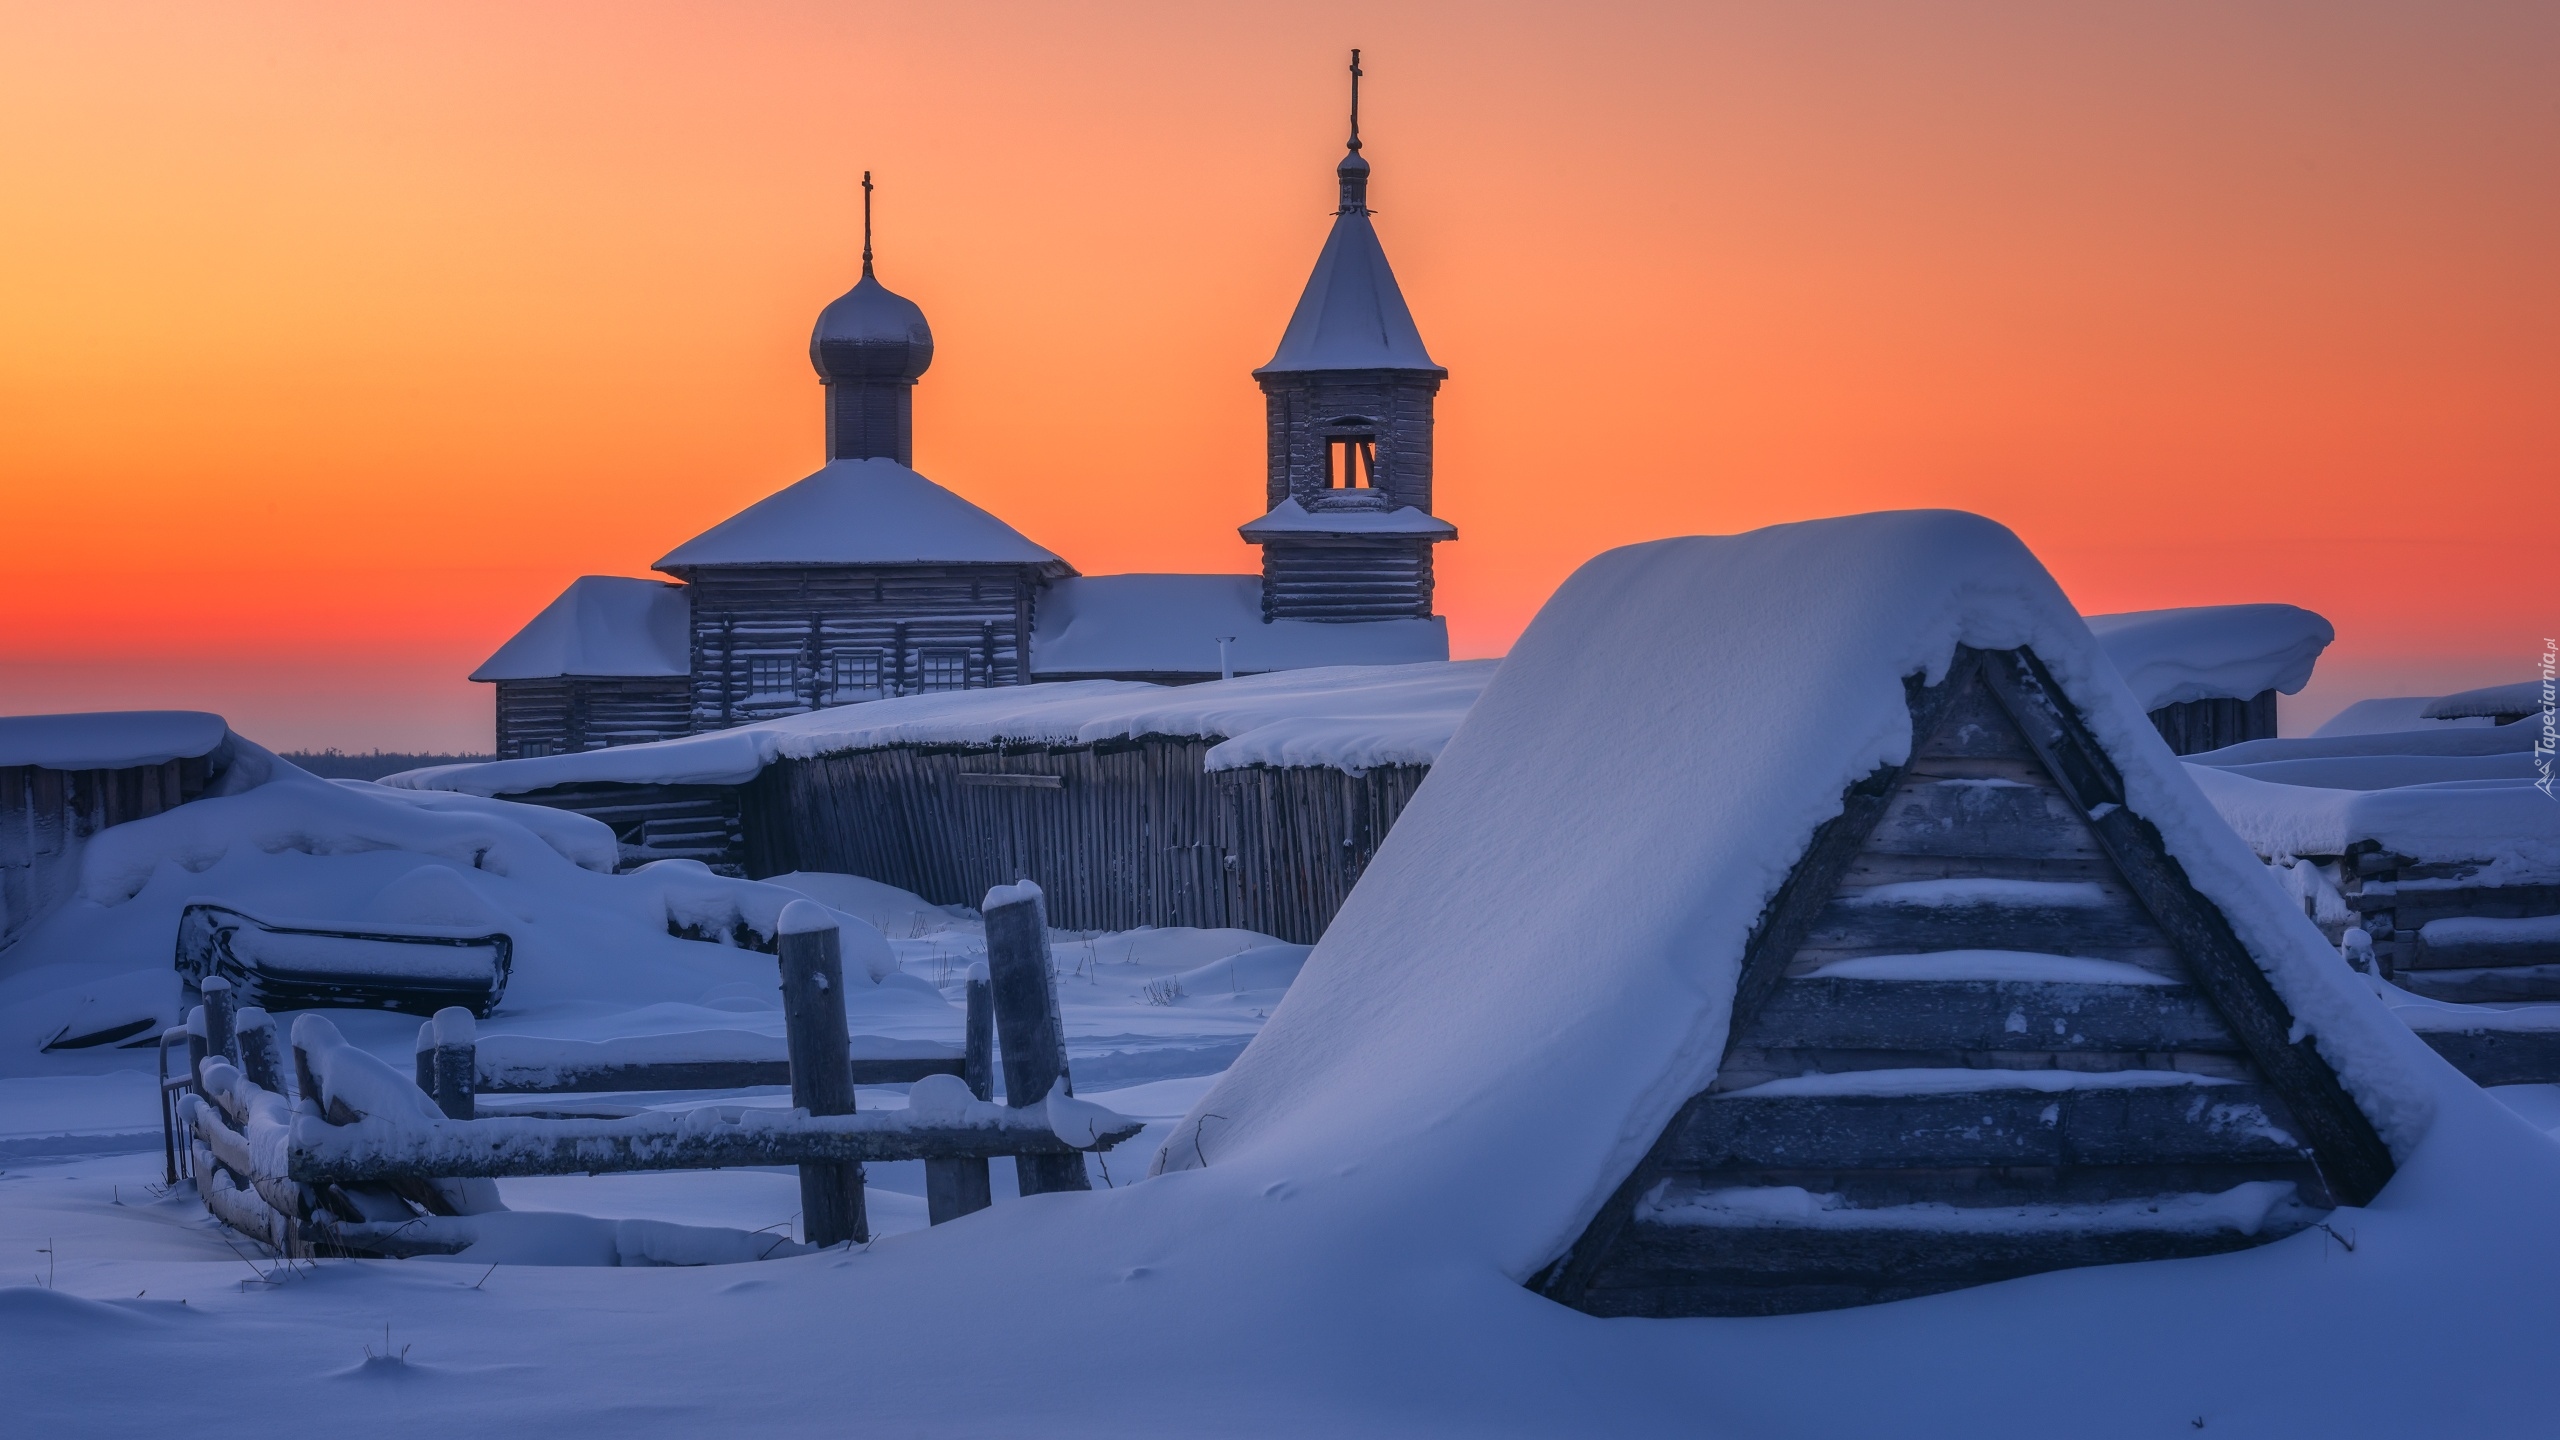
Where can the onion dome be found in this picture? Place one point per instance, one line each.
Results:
(871, 332)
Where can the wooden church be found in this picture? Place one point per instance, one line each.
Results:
(1986, 1028)
(867, 579)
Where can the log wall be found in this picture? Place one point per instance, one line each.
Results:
(1345, 580)
(46, 816)
(568, 715)
(900, 626)
(2201, 725)
(1118, 836)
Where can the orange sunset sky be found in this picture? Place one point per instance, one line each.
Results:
(339, 337)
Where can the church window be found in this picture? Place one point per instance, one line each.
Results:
(942, 670)
(772, 677)
(855, 675)
(1351, 462)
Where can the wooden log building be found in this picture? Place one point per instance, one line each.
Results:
(866, 580)
(64, 778)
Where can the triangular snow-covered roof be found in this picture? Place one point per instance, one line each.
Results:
(2213, 652)
(1545, 951)
(861, 512)
(602, 626)
(1352, 315)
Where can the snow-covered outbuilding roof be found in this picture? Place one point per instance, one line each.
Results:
(1352, 315)
(860, 512)
(2500, 702)
(1289, 518)
(2213, 652)
(108, 739)
(602, 625)
(2443, 794)
(1171, 625)
(1351, 717)
(1544, 953)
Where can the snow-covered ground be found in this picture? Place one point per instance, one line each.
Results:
(1334, 1238)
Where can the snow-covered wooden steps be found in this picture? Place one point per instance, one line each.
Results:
(1986, 1028)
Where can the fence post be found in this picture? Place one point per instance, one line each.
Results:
(221, 1007)
(812, 954)
(455, 1066)
(195, 1050)
(1025, 993)
(260, 1060)
(959, 1185)
(423, 1063)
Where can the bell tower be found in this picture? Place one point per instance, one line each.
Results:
(1348, 409)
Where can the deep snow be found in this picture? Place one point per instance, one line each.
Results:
(1337, 1243)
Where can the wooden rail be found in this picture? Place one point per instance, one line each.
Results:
(336, 1172)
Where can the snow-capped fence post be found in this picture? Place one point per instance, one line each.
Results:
(220, 1009)
(959, 1185)
(260, 1058)
(1025, 994)
(812, 956)
(454, 1065)
(195, 1050)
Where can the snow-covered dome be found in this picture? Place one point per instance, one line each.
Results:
(871, 332)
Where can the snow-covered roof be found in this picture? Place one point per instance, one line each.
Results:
(108, 739)
(2213, 652)
(2385, 714)
(860, 512)
(2445, 794)
(1291, 518)
(1349, 717)
(1171, 625)
(1544, 951)
(1352, 315)
(2524, 697)
(602, 625)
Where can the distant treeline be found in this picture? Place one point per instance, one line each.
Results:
(336, 764)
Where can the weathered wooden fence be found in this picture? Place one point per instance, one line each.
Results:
(1118, 835)
(343, 1163)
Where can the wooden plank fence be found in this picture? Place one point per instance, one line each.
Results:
(1117, 835)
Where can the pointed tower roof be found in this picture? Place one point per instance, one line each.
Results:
(1352, 315)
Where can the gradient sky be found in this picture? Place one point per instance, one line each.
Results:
(338, 339)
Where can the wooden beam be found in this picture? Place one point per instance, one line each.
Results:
(497, 1149)
(2348, 1149)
